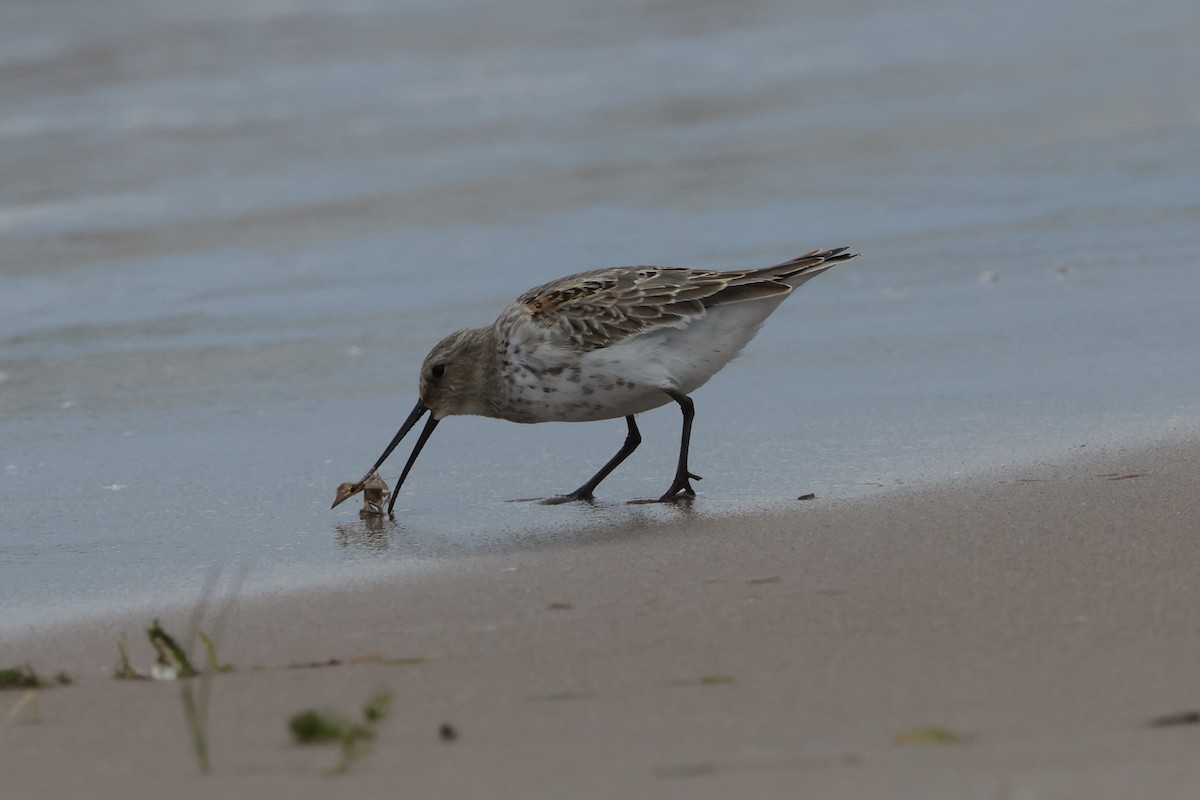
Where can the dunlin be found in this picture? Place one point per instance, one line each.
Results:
(601, 345)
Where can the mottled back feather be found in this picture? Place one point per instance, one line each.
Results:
(598, 308)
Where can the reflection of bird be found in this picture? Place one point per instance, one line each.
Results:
(600, 345)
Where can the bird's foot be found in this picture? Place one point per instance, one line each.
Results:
(681, 489)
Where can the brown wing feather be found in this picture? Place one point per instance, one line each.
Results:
(595, 309)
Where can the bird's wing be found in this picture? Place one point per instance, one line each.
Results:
(596, 309)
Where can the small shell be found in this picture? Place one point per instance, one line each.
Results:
(375, 494)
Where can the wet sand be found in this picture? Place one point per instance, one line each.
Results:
(1043, 614)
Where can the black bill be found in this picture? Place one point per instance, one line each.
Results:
(413, 418)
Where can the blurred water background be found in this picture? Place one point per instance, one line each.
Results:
(230, 231)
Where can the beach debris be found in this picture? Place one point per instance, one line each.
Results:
(320, 727)
(210, 651)
(25, 679)
(986, 278)
(19, 677)
(557, 696)
(1179, 719)
(809, 496)
(316, 727)
(930, 735)
(560, 607)
(337, 662)
(23, 676)
(125, 670)
(715, 680)
(172, 661)
(447, 732)
(760, 581)
(377, 708)
(375, 493)
(329, 662)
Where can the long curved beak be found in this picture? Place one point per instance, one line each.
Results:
(413, 418)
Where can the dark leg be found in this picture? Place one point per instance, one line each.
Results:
(681, 485)
(632, 440)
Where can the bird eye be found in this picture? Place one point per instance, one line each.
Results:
(438, 370)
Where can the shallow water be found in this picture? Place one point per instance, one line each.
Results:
(229, 232)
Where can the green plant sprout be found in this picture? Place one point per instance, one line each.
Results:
(317, 727)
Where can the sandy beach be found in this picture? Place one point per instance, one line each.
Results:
(1010, 637)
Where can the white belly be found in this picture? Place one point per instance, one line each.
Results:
(629, 377)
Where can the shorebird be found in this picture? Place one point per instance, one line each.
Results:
(600, 345)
